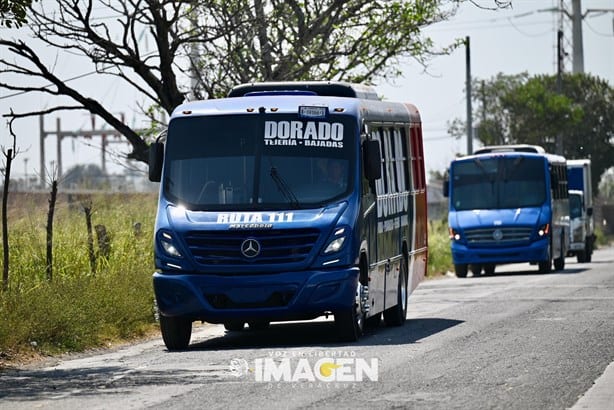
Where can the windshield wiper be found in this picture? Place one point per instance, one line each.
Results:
(283, 187)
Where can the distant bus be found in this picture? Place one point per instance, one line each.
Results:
(289, 201)
(508, 204)
(582, 225)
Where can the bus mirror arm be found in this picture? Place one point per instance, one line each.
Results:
(372, 160)
(156, 158)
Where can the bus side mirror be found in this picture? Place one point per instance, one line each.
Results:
(156, 158)
(446, 188)
(372, 160)
(589, 211)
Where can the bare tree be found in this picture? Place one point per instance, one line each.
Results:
(53, 195)
(9, 156)
(202, 48)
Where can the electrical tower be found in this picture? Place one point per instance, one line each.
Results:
(565, 23)
(107, 136)
(570, 17)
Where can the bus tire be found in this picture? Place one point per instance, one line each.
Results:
(489, 269)
(546, 266)
(559, 263)
(349, 324)
(461, 270)
(581, 256)
(396, 315)
(589, 248)
(176, 332)
(476, 269)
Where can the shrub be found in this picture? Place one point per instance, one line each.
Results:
(440, 255)
(78, 309)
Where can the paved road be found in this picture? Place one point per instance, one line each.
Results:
(514, 340)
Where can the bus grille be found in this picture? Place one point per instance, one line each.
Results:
(276, 246)
(498, 236)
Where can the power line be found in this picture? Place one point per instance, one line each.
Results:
(65, 81)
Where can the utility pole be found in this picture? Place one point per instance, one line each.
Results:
(194, 55)
(25, 161)
(468, 86)
(578, 42)
(558, 149)
(576, 16)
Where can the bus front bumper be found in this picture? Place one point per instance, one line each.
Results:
(535, 252)
(271, 297)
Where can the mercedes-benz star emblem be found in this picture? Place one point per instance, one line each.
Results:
(497, 235)
(250, 248)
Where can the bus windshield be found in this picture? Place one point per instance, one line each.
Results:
(258, 161)
(498, 183)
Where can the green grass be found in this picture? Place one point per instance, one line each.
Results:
(78, 308)
(440, 256)
(601, 240)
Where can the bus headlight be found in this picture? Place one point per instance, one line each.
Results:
(337, 242)
(454, 234)
(543, 230)
(168, 245)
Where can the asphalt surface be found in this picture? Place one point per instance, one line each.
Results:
(514, 340)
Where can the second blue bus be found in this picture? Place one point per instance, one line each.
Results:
(508, 204)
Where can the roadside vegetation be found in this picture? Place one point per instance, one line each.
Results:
(440, 256)
(87, 306)
(83, 305)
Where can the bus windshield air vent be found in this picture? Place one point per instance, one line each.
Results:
(536, 149)
(279, 92)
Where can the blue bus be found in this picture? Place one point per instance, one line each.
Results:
(288, 201)
(508, 204)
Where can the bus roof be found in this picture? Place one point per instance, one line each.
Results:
(286, 101)
(551, 158)
(513, 148)
(322, 88)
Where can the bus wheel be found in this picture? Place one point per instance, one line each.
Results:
(395, 316)
(259, 324)
(546, 266)
(589, 248)
(176, 332)
(581, 256)
(350, 323)
(234, 325)
(476, 269)
(461, 270)
(559, 263)
(489, 269)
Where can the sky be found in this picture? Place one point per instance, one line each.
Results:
(518, 39)
(509, 41)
